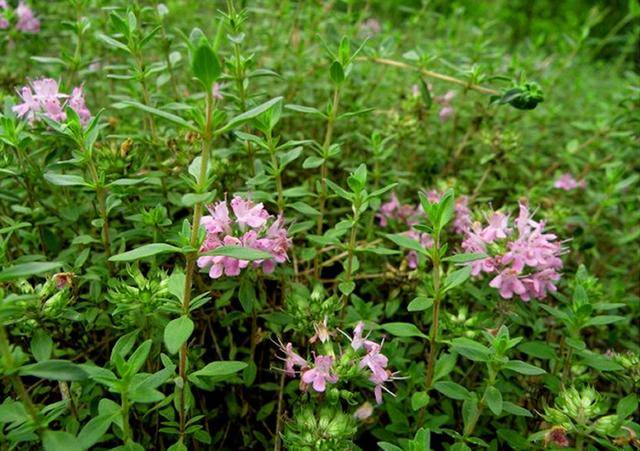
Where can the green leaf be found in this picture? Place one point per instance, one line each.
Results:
(419, 399)
(244, 117)
(627, 406)
(386, 446)
(471, 349)
(493, 399)
(523, 368)
(339, 190)
(127, 182)
(603, 320)
(469, 413)
(23, 270)
(305, 209)
(403, 330)
(41, 345)
(444, 365)
(221, 368)
(464, 258)
(60, 441)
(94, 430)
(239, 252)
(305, 109)
(59, 370)
(419, 304)
(64, 179)
(145, 251)
(206, 66)
(112, 42)
(337, 72)
(452, 390)
(538, 349)
(457, 277)
(176, 332)
(406, 242)
(312, 162)
(160, 113)
(347, 288)
(138, 357)
(514, 409)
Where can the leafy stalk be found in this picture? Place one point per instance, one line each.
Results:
(207, 141)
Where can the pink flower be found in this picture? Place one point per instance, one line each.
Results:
(222, 230)
(508, 284)
(539, 284)
(415, 91)
(45, 98)
(568, 183)
(246, 212)
(292, 360)
(219, 265)
(322, 373)
(364, 411)
(379, 379)
(370, 27)
(497, 228)
(3, 4)
(433, 196)
(29, 107)
(218, 221)
(446, 113)
(374, 360)
(4, 23)
(446, 99)
(358, 341)
(215, 92)
(462, 220)
(77, 104)
(27, 22)
(424, 239)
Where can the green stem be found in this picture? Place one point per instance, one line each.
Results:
(207, 140)
(435, 321)
(322, 195)
(436, 75)
(102, 208)
(126, 427)
(276, 172)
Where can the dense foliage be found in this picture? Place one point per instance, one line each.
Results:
(309, 225)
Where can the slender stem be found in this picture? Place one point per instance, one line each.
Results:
(207, 140)
(242, 93)
(276, 172)
(278, 446)
(102, 209)
(433, 340)
(126, 427)
(351, 248)
(322, 195)
(579, 442)
(437, 75)
(146, 98)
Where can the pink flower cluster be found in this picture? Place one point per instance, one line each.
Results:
(248, 229)
(567, 182)
(446, 111)
(525, 260)
(44, 96)
(323, 371)
(26, 20)
(410, 216)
